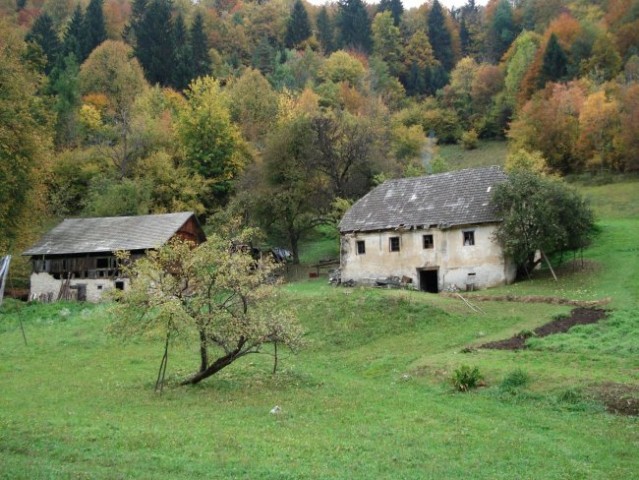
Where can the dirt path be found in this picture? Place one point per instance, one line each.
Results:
(578, 316)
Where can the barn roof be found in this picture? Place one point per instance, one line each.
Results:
(443, 200)
(109, 234)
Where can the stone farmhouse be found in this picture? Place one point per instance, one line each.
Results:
(77, 258)
(434, 232)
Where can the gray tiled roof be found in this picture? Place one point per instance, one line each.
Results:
(108, 234)
(444, 200)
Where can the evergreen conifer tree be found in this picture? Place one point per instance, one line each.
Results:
(464, 37)
(199, 47)
(264, 57)
(555, 63)
(93, 29)
(183, 64)
(414, 80)
(73, 36)
(43, 34)
(439, 37)
(138, 8)
(325, 31)
(64, 86)
(502, 30)
(298, 28)
(470, 29)
(154, 41)
(395, 7)
(354, 25)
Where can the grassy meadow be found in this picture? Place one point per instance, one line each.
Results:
(369, 397)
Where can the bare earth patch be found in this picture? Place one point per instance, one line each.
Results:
(618, 398)
(578, 316)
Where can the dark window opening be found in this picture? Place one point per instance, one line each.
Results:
(361, 247)
(469, 238)
(119, 285)
(428, 241)
(394, 244)
(102, 263)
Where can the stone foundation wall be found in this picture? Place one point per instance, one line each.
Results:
(46, 288)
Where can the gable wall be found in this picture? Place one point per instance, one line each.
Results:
(450, 256)
(191, 231)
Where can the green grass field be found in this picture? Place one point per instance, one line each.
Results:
(486, 154)
(369, 397)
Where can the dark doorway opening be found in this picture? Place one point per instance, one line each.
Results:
(82, 292)
(428, 281)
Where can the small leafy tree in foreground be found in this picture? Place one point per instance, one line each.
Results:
(215, 295)
(540, 214)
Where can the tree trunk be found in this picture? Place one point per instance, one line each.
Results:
(217, 365)
(293, 242)
(204, 358)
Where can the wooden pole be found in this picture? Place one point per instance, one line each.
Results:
(549, 265)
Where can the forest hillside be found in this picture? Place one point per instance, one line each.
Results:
(280, 113)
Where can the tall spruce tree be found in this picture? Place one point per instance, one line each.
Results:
(138, 8)
(554, 65)
(94, 28)
(501, 31)
(325, 31)
(44, 36)
(354, 25)
(298, 27)
(154, 42)
(439, 37)
(470, 28)
(264, 57)
(199, 47)
(64, 85)
(71, 43)
(183, 65)
(395, 7)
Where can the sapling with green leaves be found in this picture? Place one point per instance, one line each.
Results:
(216, 294)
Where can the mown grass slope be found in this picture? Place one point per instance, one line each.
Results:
(369, 397)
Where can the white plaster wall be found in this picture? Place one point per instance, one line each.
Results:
(44, 283)
(450, 256)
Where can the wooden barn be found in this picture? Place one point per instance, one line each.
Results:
(77, 258)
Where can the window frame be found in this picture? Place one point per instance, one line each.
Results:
(360, 247)
(468, 236)
(394, 242)
(431, 241)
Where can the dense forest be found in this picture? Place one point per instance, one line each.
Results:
(279, 113)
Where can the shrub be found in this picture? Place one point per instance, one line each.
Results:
(470, 140)
(516, 378)
(466, 378)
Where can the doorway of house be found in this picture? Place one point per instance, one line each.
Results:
(428, 281)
